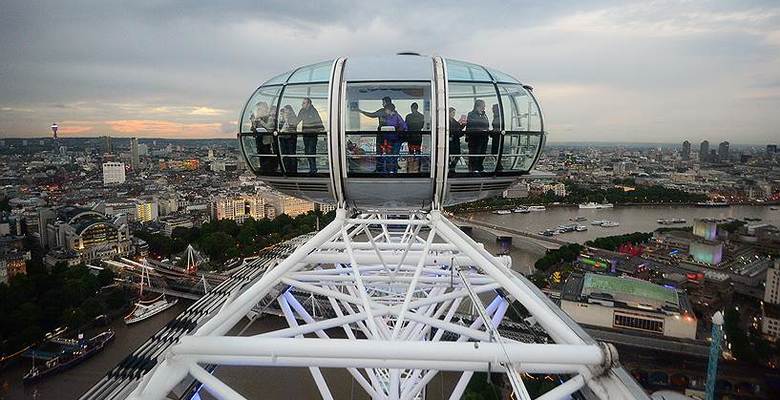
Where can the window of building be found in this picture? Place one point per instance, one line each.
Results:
(388, 128)
(639, 323)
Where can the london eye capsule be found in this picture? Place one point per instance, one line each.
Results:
(392, 132)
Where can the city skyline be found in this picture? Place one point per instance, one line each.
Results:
(158, 70)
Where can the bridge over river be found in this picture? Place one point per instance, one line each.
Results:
(538, 242)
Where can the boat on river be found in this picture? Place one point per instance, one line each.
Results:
(594, 205)
(69, 353)
(147, 308)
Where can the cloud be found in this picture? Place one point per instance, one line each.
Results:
(601, 69)
(166, 129)
(207, 111)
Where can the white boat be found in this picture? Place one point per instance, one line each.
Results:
(502, 212)
(536, 208)
(581, 228)
(597, 222)
(143, 309)
(610, 224)
(594, 205)
(521, 210)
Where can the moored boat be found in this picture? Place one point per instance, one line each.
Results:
(143, 309)
(73, 353)
(594, 205)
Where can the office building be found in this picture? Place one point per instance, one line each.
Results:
(723, 151)
(135, 157)
(238, 208)
(628, 304)
(113, 173)
(704, 151)
(686, 150)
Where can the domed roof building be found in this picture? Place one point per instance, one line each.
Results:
(392, 132)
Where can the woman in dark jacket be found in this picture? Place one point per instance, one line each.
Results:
(477, 127)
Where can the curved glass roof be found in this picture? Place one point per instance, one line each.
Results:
(318, 72)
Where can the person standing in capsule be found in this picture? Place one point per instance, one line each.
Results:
(477, 127)
(380, 115)
(390, 145)
(415, 121)
(311, 125)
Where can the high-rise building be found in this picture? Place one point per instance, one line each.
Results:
(686, 150)
(106, 144)
(113, 173)
(704, 151)
(771, 149)
(135, 159)
(723, 151)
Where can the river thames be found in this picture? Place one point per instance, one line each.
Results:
(297, 383)
(631, 219)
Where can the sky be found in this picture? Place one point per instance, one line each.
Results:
(607, 71)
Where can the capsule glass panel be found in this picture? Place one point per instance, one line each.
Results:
(388, 129)
(521, 113)
(475, 131)
(302, 127)
(319, 72)
(463, 71)
(258, 125)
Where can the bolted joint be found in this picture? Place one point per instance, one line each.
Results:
(611, 357)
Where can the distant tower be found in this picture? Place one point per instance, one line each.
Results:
(107, 144)
(135, 159)
(704, 151)
(723, 151)
(211, 155)
(712, 365)
(54, 128)
(686, 150)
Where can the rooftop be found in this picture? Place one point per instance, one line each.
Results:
(617, 286)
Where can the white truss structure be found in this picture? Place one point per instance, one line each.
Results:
(397, 289)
